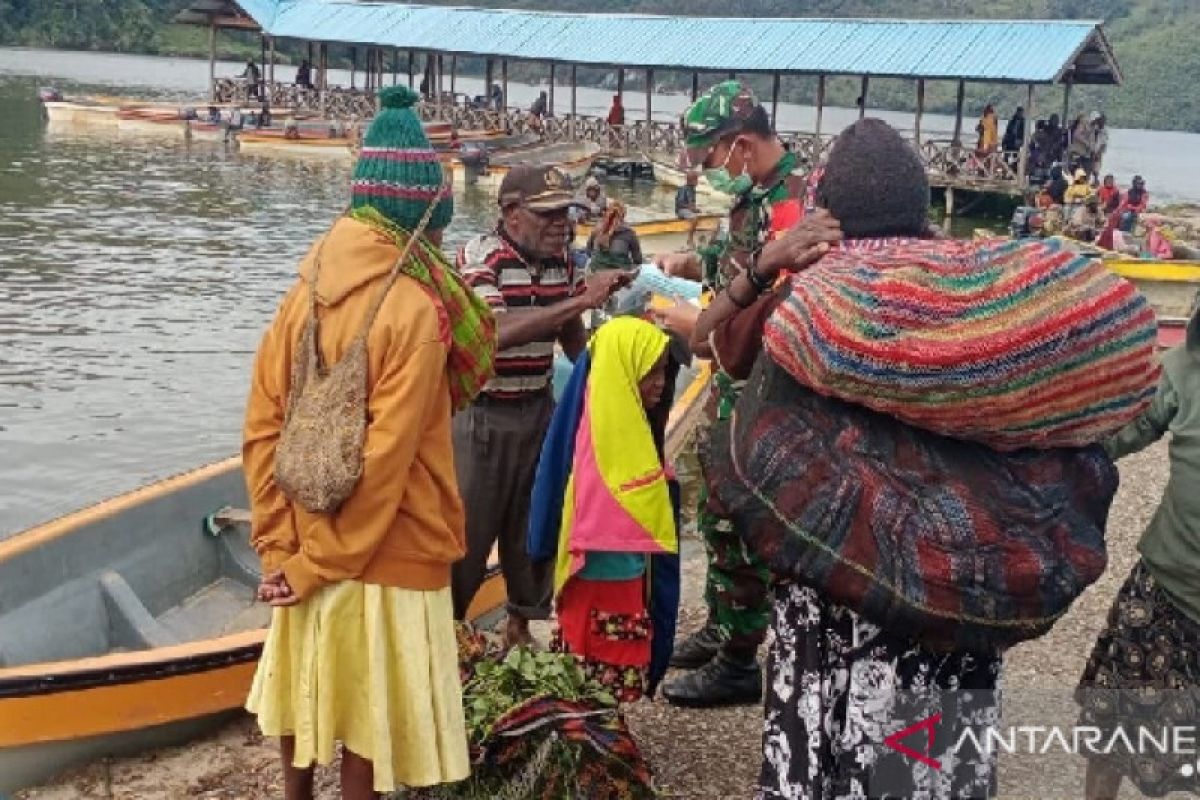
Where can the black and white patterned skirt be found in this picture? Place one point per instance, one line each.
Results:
(838, 687)
(1144, 674)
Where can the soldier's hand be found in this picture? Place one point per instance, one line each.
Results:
(801, 246)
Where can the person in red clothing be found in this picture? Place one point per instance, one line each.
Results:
(1110, 195)
(1136, 201)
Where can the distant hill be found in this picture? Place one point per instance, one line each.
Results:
(1154, 42)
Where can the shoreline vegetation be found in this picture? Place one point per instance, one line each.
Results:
(1155, 58)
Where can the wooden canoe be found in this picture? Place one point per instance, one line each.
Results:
(658, 234)
(133, 624)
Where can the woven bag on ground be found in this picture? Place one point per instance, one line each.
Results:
(952, 542)
(1005, 343)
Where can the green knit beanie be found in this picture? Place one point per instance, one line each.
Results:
(398, 173)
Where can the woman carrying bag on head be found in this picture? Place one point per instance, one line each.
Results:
(355, 505)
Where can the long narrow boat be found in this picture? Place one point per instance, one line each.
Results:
(132, 624)
(574, 159)
(657, 233)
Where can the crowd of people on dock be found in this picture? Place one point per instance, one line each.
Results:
(1081, 145)
(886, 511)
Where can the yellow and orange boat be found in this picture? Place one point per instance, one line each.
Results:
(133, 624)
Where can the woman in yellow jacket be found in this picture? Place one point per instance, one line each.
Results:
(361, 648)
(988, 130)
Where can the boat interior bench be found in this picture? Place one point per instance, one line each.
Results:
(172, 569)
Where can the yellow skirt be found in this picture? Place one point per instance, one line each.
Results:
(372, 667)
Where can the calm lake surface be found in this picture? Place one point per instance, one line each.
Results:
(136, 275)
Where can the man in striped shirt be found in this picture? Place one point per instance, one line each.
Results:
(523, 271)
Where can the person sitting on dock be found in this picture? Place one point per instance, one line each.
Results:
(1110, 195)
(522, 270)
(1057, 185)
(1136, 201)
(594, 201)
(1079, 190)
(356, 513)
(613, 244)
(1086, 221)
(685, 197)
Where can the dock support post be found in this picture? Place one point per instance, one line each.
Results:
(574, 98)
(271, 73)
(412, 67)
(453, 74)
(648, 136)
(504, 82)
(775, 101)
(553, 80)
(1023, 157)
(695, 86)
(820, 105)
(621, 84)
(323, 77)
(353, 66)
(489, 77)
(862, 96)
(212, 61)
(958, 113)
(1066, 112)
(262, 76)
(949, 202)
(438, 67)
(395, 65)
(920, 112)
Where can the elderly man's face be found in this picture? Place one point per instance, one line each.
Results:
(543, 234)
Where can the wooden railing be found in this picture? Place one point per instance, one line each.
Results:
(953, 164)
(948, 163)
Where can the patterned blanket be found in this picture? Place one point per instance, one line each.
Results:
(958, 544)
(1011, 344)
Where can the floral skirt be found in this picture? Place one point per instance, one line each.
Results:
(1144, 672)
(372, 667)
(605, 624)
(838, 687)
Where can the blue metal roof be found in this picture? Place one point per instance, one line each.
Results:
(1029, 51)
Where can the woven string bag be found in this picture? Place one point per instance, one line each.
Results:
(319, 459)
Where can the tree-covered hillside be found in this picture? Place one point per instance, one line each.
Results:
(1153, 40)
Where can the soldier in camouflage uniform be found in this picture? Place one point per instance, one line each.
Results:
(728, 134)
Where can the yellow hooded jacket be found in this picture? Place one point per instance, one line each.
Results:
(404, 524)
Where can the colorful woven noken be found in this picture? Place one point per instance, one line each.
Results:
(398, 173)
(1009, 344)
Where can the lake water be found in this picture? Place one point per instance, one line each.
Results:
(136, 275)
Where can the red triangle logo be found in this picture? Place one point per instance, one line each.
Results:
(926, 725)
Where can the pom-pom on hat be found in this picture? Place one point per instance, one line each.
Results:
(398, 173)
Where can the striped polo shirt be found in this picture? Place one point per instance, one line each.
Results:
(510, 283)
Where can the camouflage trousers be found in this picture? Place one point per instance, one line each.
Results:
(735, 589)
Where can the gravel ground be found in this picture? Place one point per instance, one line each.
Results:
(700, 755)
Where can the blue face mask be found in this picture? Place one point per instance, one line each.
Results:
(720, 179)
